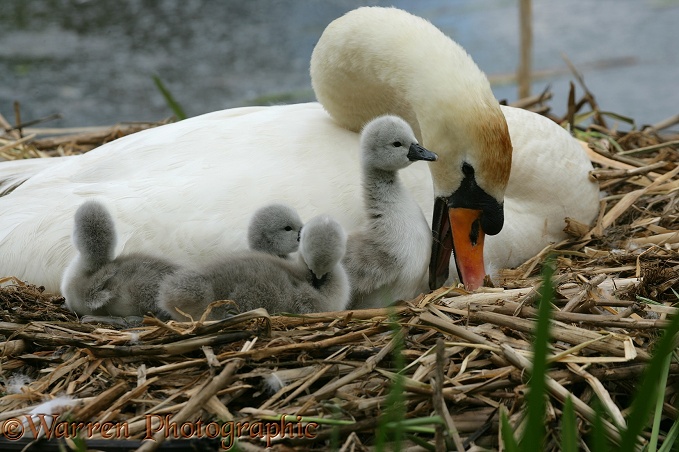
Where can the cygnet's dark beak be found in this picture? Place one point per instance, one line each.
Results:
(317, 282)
(417, 152)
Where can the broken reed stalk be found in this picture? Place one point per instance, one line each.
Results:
(562, 393)
(525, 57)
(196, 402)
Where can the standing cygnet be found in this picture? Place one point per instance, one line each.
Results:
(388, 256)
(275, 229)
(97, 283)
(315, 281)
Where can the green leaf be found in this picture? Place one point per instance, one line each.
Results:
(647, 391)
(599, 443)
(395, 412)
(508, 439)
(177, 110)
(617, 116)
(659, 400)
(671, 438)
(569, 430)
(534, 436)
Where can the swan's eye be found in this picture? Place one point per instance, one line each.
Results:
(288, 228)
(397, 144)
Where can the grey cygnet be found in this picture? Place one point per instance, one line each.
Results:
(315, 281)
(389, 254)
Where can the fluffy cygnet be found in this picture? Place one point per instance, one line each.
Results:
(315, 281)
(275, 229)
(388, 256)
(97, 283)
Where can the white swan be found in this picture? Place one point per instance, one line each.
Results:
(314, 282)
(389, 254)
(189, 188)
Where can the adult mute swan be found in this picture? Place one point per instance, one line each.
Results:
(314, 282)
(388, 255)
(188, 189)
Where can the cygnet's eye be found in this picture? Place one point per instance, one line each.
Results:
(288, 228)
(397, 144)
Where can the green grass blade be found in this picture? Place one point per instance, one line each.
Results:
(395, 411)
(397, 426)
(418, 422)
(649, 387)
(619, 117)
(335, 437)
(599, 443)
(659, 400)
(569, 430)
(534, 435)
(422, 443)
(510, 444)
(306, 419)
(177, 109)
(671, 438)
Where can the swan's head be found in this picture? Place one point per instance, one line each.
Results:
(275, 229)
(470, 178)
(374, 61)
(388, 143)
(322, 245)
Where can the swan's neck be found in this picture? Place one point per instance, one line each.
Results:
(89, 264)
(381, 191)
(376, 61)
(395, 224)
(473, 132)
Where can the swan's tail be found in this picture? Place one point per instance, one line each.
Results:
(94, 234)
(16, 172)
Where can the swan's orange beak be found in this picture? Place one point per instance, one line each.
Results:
(456, 230)
(468, 239)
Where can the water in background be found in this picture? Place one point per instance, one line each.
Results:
(92, 61)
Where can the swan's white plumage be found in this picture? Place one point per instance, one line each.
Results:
(187, 189)
(191, 203)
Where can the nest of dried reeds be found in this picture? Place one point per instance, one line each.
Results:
(440, 369)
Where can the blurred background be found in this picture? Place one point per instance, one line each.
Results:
(93, 61)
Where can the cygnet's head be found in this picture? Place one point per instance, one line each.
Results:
(275, 229)
(323, 243)
(388, 143)
(94, 233)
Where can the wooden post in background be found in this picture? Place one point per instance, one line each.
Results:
(526, 31)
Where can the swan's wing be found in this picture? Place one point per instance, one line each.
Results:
(549, 181)
(16, 172)
(185, 190)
